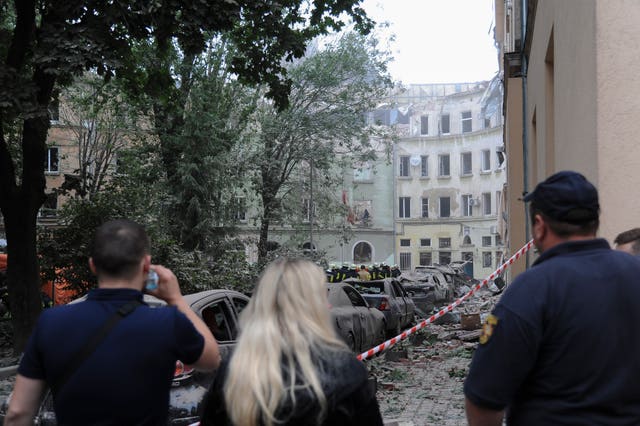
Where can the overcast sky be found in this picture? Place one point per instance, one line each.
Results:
(439, 41)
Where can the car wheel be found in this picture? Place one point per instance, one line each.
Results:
(351, 342)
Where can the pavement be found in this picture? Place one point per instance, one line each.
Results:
(420, 382)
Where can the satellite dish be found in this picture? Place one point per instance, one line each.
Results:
(415, 160)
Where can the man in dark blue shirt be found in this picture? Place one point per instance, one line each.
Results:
(126, 379)
(562, 346)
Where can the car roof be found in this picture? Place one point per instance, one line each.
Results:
(220, 292)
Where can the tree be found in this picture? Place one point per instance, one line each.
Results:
(102, 123)
(332, 89)
(45, 43)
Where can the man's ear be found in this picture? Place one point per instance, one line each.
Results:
(146, 263)
(92, 267)
(539, 227)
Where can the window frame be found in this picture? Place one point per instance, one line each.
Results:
(440, 206)
(424, 124)
(404, 166)
(404, 207)
(424, 166)
(424, 207)
(466, 123)
(48, 160)
(485, 160)
(442, 124)
(467, 207)
(441, 158)
(486, 204)
(405, 261)
(466, 156)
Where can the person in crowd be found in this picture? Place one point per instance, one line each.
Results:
(353, 273)
(289, 366)
(561, 345)
(375, 271)
(395, 271)
(629, 241)
(363, 274)
(125, 378)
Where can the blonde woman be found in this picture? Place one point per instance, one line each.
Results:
(289, 366)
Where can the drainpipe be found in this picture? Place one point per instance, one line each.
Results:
(393, 202)
(525, 133)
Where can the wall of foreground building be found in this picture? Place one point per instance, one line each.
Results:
(582, 100)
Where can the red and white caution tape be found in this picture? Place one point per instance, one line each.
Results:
(386, 345)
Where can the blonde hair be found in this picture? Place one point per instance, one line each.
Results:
(286, 321)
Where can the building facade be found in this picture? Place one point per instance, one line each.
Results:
(571, 85)
(449, 175)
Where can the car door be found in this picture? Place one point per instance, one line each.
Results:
(401, 298)
(361, 310)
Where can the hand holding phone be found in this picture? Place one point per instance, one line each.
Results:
(152, 280)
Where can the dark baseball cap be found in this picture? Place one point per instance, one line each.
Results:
(566, 197)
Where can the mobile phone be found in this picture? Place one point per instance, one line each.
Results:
(152, 280)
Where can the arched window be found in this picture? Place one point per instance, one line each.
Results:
(466, 240)
(362, 252)
(308, 246)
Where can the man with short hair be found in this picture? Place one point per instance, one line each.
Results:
(126, 379)
(629, 241)
(561, 346)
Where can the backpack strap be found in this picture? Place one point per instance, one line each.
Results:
(81, 356)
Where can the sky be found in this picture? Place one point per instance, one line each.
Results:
(439, 41)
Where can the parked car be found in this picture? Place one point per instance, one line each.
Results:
(219, 309)
(388, 296)
(360, 326)
(443, 285)
(423, 294)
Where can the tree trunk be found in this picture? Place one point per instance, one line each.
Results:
(264, 235)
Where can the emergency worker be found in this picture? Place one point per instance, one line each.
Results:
(561, 346)
(363, 274)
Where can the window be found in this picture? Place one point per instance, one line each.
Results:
(217, 317)
(403, 166)
(405, 242)
(355, 297)
(405, 261)
(425, 259)
(444, 242)
(445, 207)
(444, 257)
(51, 162)
(240, 211)
(486, 241)
(466, 121)
(486, 203)
(486, 259)
(466, 241)
(362, 252)
(308, 210)
(444, 124)
(443, 165)
(362, 172)
(425, 242)
(424, 165)
(467, 256)
(239, 304)
(498, 240)
(465, 163)
(486, 160)
(424, 125)
(404, 204)
(487, 123)
(50, 206)
(425, 207)
(467, 208)
(308, 247)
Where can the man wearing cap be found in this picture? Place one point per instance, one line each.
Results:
(562, 346)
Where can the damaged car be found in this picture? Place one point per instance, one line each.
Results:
(388, 296)
(359, 325)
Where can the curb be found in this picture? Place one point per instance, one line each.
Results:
(8, 371)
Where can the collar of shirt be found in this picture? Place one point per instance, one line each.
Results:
(124, 294)
(573, 247)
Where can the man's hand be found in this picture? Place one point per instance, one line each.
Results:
(169, 291)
